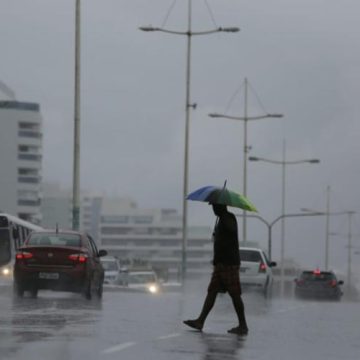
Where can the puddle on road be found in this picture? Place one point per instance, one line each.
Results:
(49, 316)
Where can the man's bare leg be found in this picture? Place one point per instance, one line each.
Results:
(208, 305)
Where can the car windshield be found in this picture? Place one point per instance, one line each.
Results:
(250, 256)
(71, 240)
(141, 278)
(313, 276)
(109, 265)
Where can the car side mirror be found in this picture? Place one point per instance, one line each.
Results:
(102, 253)
(341, 282)
(273, 264)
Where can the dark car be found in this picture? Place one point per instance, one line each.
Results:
(318, 284)
(60, 261)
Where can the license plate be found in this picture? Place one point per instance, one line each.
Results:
(243, 269)
(49, 276)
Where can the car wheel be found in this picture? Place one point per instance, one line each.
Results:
(87, 290)
(34, 293)
(18, 290)
(99, 291)
(267, 290)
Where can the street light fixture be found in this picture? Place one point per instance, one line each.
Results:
(245, 118)
(283, 163)
(188, 33)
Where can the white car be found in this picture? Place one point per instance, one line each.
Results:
(255, 270)
(145, 280)
(111, 267)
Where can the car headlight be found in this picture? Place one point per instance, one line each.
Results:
(5, 271)
(153, 289)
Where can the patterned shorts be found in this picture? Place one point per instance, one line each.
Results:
(225, 278)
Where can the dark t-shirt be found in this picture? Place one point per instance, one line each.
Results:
(226, 243)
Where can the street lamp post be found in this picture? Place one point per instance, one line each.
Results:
(76, 165)
(349, 246)
(188, 33)
(327, 226)
(283, 164)
(245, 118)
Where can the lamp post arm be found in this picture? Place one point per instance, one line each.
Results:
(270, 225)
(189, 33)
(279, 162)
(296, 215)
(239, 117)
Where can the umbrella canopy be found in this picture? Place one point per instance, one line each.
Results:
(223, 196)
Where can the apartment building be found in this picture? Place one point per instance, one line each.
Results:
(20, 159)
(153, 236)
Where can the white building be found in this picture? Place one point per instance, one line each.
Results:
(20, 159)
(153, 236)
(56, 209)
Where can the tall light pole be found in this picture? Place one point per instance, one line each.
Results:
(245, 119)
(189, 34)
(349, 246)
(76, 168)
(350, 215)
(283, 164)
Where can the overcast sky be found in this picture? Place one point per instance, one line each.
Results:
(302, 58)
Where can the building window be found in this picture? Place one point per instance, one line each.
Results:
(28, 195)
(22, 202)
(115, 242)
(28, 180)
(29, 134)
(142, 219)
(29, 157)
(28, 172)
(115, 219)
(29, 126)
(114, 231)
(29, 149)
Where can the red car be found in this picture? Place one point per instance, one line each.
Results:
(60, 261)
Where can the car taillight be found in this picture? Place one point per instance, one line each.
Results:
(80, 258)
(262, 268)
(24, 255)
(333, 283)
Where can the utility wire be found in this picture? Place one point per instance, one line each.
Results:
(258, 99)
(168, 13)
(211, 13)
(236, 93)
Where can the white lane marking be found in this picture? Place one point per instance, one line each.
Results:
(118, 347)
(164, 337)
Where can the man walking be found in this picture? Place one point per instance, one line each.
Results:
(225, 276)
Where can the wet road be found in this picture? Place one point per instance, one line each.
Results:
(142, 326)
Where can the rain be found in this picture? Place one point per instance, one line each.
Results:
(282, 79)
